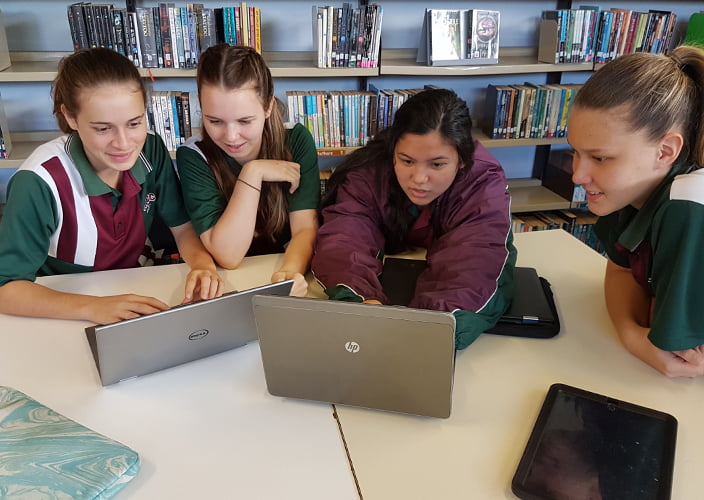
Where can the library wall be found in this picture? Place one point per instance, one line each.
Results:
(287, 25)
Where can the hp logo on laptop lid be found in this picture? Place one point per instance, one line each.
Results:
(352, 347)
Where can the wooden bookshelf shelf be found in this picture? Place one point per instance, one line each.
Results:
(528, 195)
(335, 151)
(512, 60)
(23, 143)
(31, 67)
(509, 143)
(41, 67)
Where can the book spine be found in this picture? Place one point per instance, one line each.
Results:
(186, 104)
(79, 24)
(187, 59)
(147, 41)
(244, 17)
(165, 30)
(252, 39)
(258, 29)
(106, 17)
(177, 106)
(177, 29)
(193, 34)
(91, 31)
(134, 38)
(235, 30)
(208, 35)
(118, 26)
(72, 27)
(157, 37)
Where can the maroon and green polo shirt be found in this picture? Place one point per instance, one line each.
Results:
(62, 218)
(662, 243)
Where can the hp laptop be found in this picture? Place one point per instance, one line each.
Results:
(382, 357)
(184, 333)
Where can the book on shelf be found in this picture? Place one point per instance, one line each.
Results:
(163, 36)
(622, 31)
(527, 111)
(578, 222)
(347, 37)
(452, 37)
(344, 118)
(170, 114)
(589, 34)
(147, 37)
(568, 35)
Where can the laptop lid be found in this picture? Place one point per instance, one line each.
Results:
(183, 333)
(382, 357)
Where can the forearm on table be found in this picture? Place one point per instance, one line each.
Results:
(627, 303)
(191, 248)
(299, 251)
(231, 236)
(26, 298)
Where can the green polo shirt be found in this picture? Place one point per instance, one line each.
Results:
(37, 238)
(661, 243)
(205, 203)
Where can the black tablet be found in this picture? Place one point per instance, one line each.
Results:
(587, 446)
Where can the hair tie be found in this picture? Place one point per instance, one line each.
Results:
(677, 60)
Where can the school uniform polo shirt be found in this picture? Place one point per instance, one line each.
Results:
(62, 218)
(662, 245)
(205, 202)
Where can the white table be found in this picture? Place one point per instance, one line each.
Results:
(500, 384)
(206, 429)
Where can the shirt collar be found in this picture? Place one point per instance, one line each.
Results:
(637, 229)
(94, 185)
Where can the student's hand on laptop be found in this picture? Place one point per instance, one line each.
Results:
(113, 308)
(300, 285)
(203, 284)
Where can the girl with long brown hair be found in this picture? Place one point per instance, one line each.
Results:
(251, 185)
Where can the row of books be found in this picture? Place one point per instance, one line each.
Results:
(345, 118)
(592, 35)
(579, 223)
(459, 36)
(347, 37)
(170, 115)
(334, 118)
(164, 36)
(528, 111)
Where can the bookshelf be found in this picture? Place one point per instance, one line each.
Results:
(288, 49)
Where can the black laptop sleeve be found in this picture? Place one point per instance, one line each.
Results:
(532, 312)
(524, 322)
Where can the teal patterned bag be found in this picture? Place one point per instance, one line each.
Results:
(46, 455)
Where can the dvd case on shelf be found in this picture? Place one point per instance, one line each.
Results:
(457, 37)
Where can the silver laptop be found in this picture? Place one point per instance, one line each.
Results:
(382, 357)
(184, 333)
